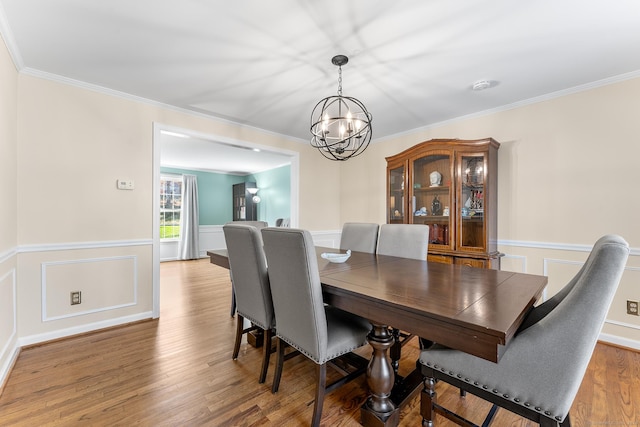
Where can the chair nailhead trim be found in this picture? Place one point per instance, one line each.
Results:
(486, 387)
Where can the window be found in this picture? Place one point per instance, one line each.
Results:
(170, 203)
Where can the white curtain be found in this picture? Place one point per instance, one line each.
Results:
(189, 218)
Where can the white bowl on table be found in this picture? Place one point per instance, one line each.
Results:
(338, 258)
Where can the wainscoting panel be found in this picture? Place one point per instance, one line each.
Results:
(105, 284)
(560, 263)
(329, 239)
(514, 263)
(212, 237)
(8, 322)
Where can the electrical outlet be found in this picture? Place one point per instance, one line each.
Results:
(76, 297)
(632, 308)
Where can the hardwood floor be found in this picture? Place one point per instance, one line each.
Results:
(177, 371)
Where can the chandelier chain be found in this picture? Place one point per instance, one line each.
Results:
(340, 81)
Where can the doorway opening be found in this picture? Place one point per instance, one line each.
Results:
(212, 153)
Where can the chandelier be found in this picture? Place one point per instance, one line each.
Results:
(340, 125)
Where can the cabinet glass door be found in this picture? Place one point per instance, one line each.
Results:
(432, 197)
(395, 203)
(472, 218)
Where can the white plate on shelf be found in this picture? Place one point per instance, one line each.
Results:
(331, 257)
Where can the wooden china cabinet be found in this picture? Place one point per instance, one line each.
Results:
(451, 186)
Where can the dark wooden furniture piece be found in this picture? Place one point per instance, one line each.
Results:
(243, 207)
(473, 310)
(450, 185)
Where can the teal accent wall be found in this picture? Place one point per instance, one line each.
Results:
(215, 191)
(275, 193)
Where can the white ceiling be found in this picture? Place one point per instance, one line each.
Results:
(206, 154)
(266, 63)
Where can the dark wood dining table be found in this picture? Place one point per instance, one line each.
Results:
(474, 310)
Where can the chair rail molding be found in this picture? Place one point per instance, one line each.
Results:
(558, 246)
(45, 247)
(6, 255)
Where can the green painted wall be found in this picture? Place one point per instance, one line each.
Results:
(275, 193)
(215, 194)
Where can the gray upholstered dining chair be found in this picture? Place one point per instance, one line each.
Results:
(404, 240)
(251, 286)
(320, 332)
(541, 370)
(259, 225)
(359, 236)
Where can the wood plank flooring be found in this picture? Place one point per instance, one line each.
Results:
(177, 371)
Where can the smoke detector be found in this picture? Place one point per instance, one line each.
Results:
(483, 84)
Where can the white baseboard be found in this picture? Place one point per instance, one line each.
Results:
(5, 369)
(81, 329)
(622, 342)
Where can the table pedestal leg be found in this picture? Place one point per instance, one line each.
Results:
(379, 410)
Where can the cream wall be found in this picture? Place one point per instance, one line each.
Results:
(74, 143)
(567, 174)
(8, 212)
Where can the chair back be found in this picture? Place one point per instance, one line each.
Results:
(404, 240)
(249, 271)
(542, 310)
(257, 224)
(546, 361)
(359, 236)
(296, 290)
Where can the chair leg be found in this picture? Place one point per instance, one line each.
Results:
(395, 351)
(239, 331)
(427, 400)
(265, 355)
(548, 422)
(279, 362)
(320, 392)
(233, 296)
